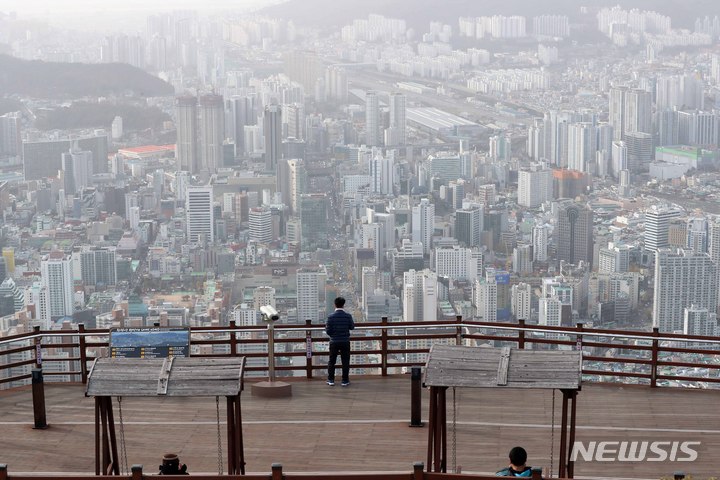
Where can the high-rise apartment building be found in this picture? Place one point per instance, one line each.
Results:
(200, 214)
(485, 298)
(697, 234)
(657, 224)
(458, 263)
(294, 118)
(423, 224)
(212, 133)
(582, 147)
(272, 133)
(540, 238)
(56, 273)
(682, 279)
(469, 225)
(420, 296)
(535, 186)
(10, 135)
(382, 173)
(98, 266)
(521, 301)
(372, 120)
(396, 134)
(311, 294)
(186, 123)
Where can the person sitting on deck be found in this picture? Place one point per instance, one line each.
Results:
(171, 465)
(517, 468)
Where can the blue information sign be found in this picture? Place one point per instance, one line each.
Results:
(149, 342)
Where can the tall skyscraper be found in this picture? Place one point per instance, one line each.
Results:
(423, 224)
(56, 272)
(682, 279)
(616, 116)
(272, 133)
(657, 224)
(187, 134)
(212, 133)
(313, 212)
(574, 232)
(396, 134)
(372, 120)
(200, 214)
(640, 150)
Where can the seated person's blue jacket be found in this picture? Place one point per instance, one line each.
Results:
(509, 472)
(338, 326)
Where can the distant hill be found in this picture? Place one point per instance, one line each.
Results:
(419, 13)
(72, 80)
(100, 115)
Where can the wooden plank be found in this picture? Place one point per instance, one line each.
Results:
(503, 365)
(164, 377)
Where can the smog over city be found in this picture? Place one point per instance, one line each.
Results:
(499, 175)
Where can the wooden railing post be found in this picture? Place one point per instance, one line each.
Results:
(137, 472)
(83, 353)
(384, 347)
(416, 396)
(654, 359)
(418, 473)
(458, 330)
(578, 337)
(233, 338)
(3, 471)
(277, 471)
(38, 346)
(521, 334)
(308, 350)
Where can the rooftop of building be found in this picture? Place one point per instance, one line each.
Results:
(364, 428)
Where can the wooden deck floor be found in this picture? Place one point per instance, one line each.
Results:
(363, 428)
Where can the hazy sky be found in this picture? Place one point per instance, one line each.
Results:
(93, 14)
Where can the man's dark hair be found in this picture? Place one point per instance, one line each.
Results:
(339, 302)
(518, 456)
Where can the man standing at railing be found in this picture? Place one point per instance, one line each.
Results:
(338, 326)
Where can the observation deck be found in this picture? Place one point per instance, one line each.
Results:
(664, 390)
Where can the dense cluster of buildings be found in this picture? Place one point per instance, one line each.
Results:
(291, 180)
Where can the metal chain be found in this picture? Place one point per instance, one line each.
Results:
(552, 438)
(454, 434)
(219, 437)
(123, 449)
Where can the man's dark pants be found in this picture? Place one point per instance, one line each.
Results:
(343, 348)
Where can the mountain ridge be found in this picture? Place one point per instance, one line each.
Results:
(40, 79)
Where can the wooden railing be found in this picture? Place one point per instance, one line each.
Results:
(648, 358)
(277, 473)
